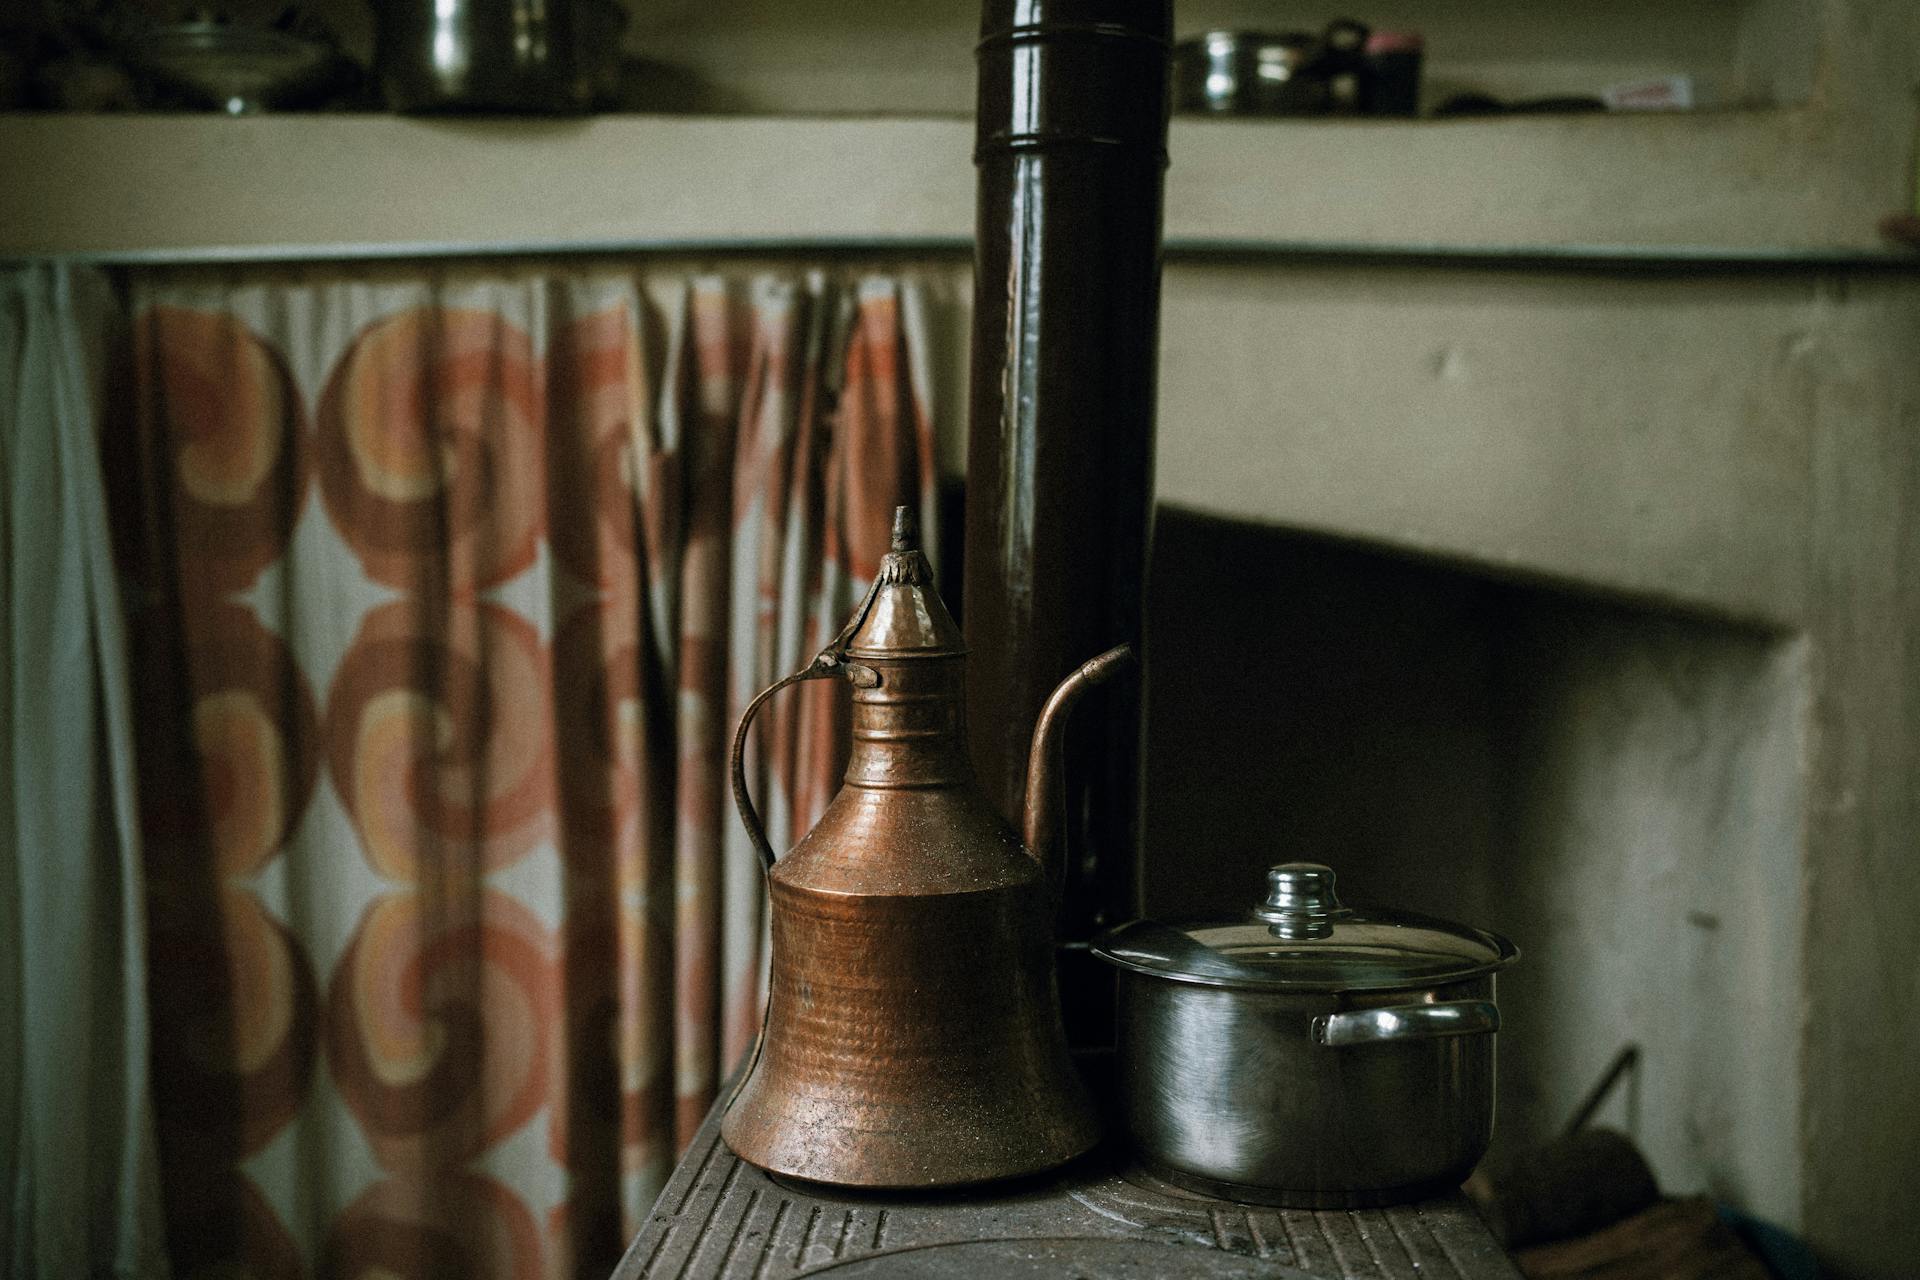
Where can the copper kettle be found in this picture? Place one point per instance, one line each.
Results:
(912, 1034)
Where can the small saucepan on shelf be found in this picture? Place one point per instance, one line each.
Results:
(1267, 73)
(538, 57)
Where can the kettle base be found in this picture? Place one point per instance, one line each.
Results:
(928, 1154)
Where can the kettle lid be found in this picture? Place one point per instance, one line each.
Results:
(1303, 938)
(903, 616)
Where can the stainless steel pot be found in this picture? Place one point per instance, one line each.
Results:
(1266, 73)
(548, 56)
(1311, 1055)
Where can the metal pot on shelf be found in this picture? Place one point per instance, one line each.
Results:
(1310, 1054)
(1267, 73)
(511, 56)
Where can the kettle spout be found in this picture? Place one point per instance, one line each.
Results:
(1042, 817)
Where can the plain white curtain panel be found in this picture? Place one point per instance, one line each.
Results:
(77, 1162)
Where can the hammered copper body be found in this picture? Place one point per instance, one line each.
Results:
(912, 1035)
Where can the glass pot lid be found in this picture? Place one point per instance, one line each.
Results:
(1301, 938)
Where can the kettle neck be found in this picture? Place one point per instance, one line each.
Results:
(909, 730)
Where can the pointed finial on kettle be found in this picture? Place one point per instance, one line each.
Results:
(903, 616)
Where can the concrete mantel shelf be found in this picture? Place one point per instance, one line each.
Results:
(1697, 185)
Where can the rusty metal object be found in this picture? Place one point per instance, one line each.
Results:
(913, 1032)
(1070, 148)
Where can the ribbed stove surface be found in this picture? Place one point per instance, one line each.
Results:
(1098, 1219)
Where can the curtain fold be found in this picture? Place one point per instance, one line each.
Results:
(450, 585)
(77, 1160)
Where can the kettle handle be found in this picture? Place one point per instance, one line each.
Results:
(830, 661)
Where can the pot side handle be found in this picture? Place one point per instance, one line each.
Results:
(1400, 1022)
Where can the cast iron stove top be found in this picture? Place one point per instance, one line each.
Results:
(1099, 1218)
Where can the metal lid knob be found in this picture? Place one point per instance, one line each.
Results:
(1300, 900)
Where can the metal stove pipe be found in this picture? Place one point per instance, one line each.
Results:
(1071, 151)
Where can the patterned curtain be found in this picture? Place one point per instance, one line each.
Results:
(445, 591)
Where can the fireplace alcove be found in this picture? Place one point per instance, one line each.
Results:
(1614, 786)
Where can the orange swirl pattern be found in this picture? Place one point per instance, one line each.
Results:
(233, 1004)
(613, 1065)
(885, 442)
(247, 718)
(547, 974)
(610, 1123)
(455, 1225)
(429, 449)
(616, 803)
(439, 738)
(225, 430)
(598, 392)
(438, 1022)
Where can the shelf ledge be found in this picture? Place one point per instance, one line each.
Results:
(1568, 190)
